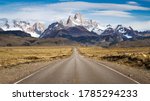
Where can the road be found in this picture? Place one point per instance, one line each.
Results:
(77, 70)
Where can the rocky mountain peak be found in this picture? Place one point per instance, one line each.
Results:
(69, 21)
(56, 26)
(78, 17)
(120, 29)
(78, 20)
(35, 29)
(109, 26)
(40, 27)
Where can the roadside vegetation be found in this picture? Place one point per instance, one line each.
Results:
(11, 56)
(134, 57)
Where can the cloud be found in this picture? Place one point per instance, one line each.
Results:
(139, 25)
(66, 0)
(113, 13)
(132, 3)
(55, 11)
(102, 6)
(62, 10)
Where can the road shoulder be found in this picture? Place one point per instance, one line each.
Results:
(15, 73)
(140, 75)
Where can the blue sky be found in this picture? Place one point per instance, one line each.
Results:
(134, 13)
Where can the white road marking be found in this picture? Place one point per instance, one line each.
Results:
(111, 69)
(31, 74)
(118, 72)
(44, 67)
(82, 57)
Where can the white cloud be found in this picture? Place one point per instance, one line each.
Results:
(65, 0)
(132, 3)
(139, 25)
(107, 6)
(62, 10)
(113, 13)
(56, 11)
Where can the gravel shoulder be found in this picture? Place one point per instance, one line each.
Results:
(140, 75)
(15, 73)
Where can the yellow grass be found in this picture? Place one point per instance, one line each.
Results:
(131, 56)
(10, 56)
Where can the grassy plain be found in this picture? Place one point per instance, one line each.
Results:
(10, 56)
(134, 57)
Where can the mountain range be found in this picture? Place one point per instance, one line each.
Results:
(90, 25)
(76, 29)
(35, 29)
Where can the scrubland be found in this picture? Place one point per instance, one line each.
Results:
(134, 57)
(11, 56)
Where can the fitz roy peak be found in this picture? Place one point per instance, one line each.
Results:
(74, 33)
(78, 20)
(78, 29)
(75, 28)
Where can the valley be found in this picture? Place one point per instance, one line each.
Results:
(12, 56)
(74, 64)
(136, 57)
(76, 29)
(74, 50)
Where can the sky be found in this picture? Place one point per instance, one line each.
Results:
(134, 13)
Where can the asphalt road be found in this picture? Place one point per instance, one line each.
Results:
(77, 70)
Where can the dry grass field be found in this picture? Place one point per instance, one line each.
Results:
(11, 56)
(134, 57)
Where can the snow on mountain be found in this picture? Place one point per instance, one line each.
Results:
(35, 29)
(118, 34)
(120, 29)
(53, 28)
(127, 36)
(127, 32)
(78, 20)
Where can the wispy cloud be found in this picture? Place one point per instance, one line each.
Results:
(113, 13)
(66, 0)
(56, 11)
(106, 6)
(139, 25)
(132, 3)
(63, 9)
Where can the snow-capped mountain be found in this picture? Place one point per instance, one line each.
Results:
(52, 29)
(1, 29)
(74, 33)
(78, 20)
(77, 27)
(35, 29)
(118, 34)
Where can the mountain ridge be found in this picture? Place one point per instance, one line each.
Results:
(34, 29)
(77, 29)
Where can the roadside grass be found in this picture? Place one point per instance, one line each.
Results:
(134, 57)
(11, 56)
